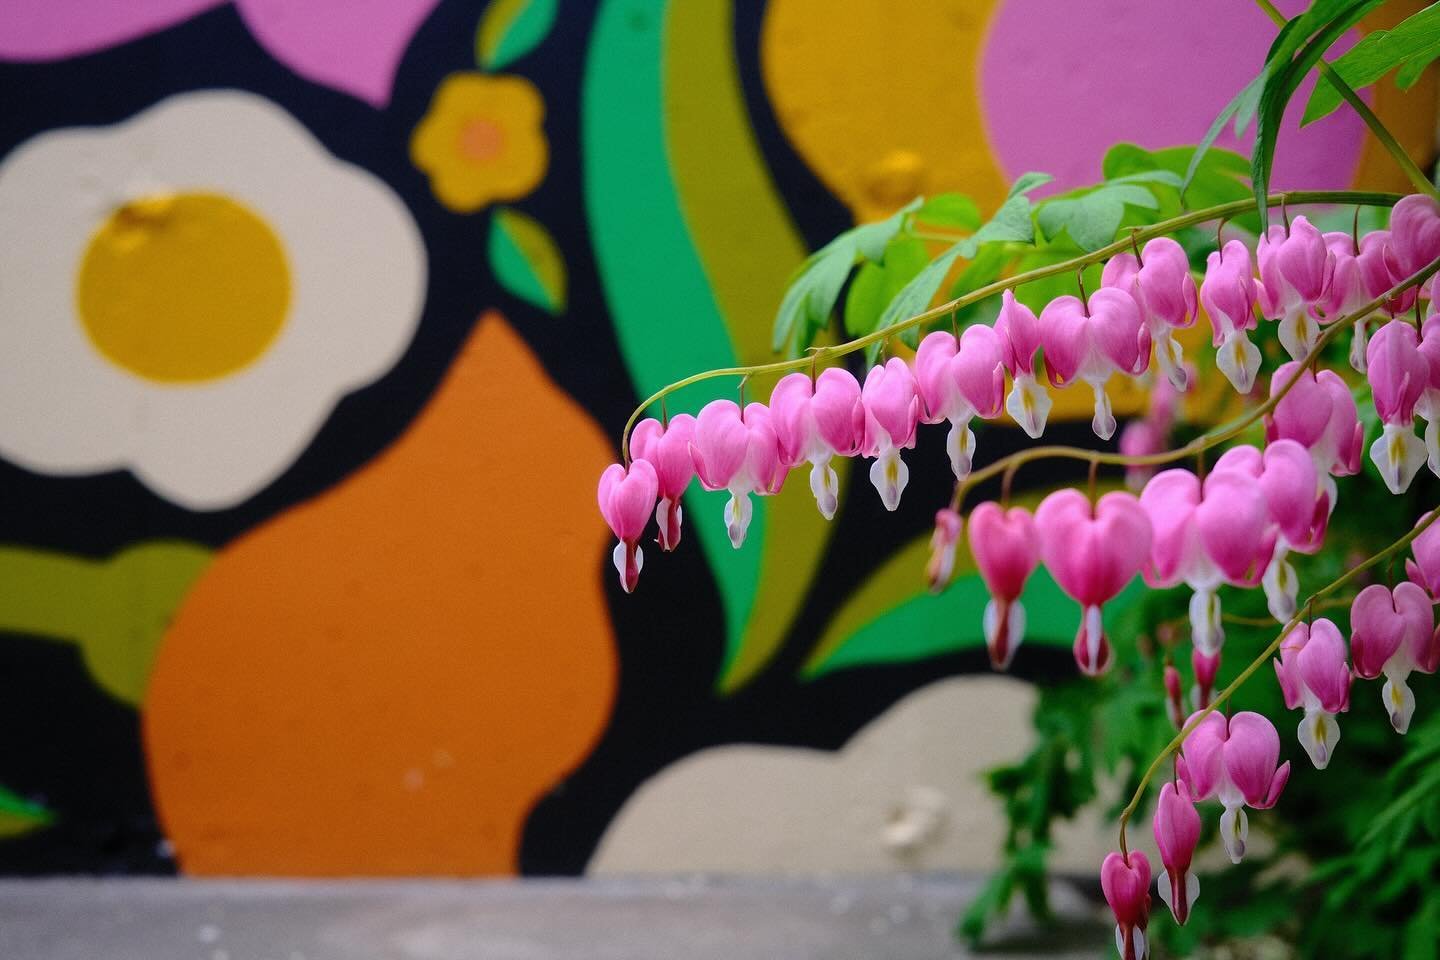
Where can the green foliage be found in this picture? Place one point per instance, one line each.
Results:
(1411, 45)
(1092, 215)
(807, 304)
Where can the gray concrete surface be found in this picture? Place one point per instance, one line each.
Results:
(616, 918)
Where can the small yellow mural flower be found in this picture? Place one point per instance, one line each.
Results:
(481, 140)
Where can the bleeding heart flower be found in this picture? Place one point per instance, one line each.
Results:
(1234, 761)
(667, 448)
(1428, 406)
(1159, 280)
(626, 499)
(737, 453)
(1006, 549)
(959, 381)
(1228, 293)
(1414, 234)
(1028, 403)
(1314, 676)
(948, 527)
(1092, 340)
(1177, 832)
(1399, 375)
(1319, 414)
(1378, 269)
(1298, 506)
(1424, 569)
(1296, 268)
(1125, 882)
(1393, 632)
(1204, 536)
(1206, 667)
(1174, 696)
(1348, 293)
(816, 421)
(892, 409)
(1092, 552)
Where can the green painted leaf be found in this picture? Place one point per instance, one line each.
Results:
(1414, 39)
(509, 29)
(19, 816)
(526, 260)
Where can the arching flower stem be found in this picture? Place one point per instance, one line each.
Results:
(1224, 210)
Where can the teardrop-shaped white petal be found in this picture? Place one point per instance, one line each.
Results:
(889, 475)
(1029, 405)
(1319, 732)
(1103, 423)
(826, 487)
(1398, 454)
(1234, 831)
(737, 517)
(1205, 628)
(960, 445)
(1239, 360)
(1282, 586)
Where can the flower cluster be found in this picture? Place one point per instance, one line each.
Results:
(1236, 527)
(1234, 524)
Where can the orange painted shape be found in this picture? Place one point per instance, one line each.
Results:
(385, 679)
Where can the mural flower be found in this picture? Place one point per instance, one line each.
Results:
(196, 289)
(481, 140)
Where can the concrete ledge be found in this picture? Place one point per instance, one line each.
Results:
(616, 918)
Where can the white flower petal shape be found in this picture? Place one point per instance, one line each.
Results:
(207, 407)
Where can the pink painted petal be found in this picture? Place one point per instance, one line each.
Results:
(56, 29)
(353, 46)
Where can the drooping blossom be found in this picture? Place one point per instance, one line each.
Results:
(627, 498)
(1206, 667)
(738, 453)
(1234, 761)
(1423, 567)
(1092, 552)
(815, 421)
(1150, 434)
(1414, 234)
(1228, 293)
(1125, 881)
(1348, 293)
(1399, 375)
(1205, 535)
(1028, 403)
(1378, 267)
(1295, 272)
(1174, 695)
(1393, 632)
(1318, 413)
(1091, 340)
(1314, 677)
(1177, 832)
(1159, 281)
(958, 381)
(1428, 406)
(1007, 550)
(892, 409)
(667, 448)
(1298, 507)
(948, 527)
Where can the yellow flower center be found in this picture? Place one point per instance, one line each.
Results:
(183, 287)
(481, 140)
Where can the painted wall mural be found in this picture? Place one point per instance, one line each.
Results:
(318, 322)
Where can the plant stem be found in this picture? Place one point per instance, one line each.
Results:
(1221, 211)
(1377, 128)
(1224, 695)
(1206, 440)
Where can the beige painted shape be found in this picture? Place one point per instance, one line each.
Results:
(765, 809)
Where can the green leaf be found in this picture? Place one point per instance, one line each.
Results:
(526, 260)
(1281, 85)
(1412, 70)
(1245, 100)
(950, 210)
(1415, 38)
(1027, 182)
(1092, 219)
(875, 284)
(871, 238)
(509, 29)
